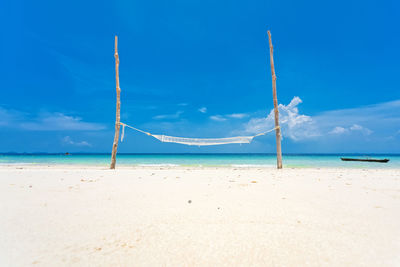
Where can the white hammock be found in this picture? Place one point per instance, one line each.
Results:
(197, 141)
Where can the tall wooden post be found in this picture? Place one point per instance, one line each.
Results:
(278, 129)
(118, 111)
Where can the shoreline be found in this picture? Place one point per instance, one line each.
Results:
(199, 160)
(179, 167)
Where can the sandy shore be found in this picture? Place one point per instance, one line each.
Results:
(153, 216)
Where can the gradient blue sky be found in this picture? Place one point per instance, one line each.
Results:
(200, 68)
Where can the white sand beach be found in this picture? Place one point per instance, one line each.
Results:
(188, 216)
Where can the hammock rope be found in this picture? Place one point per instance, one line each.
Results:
(197, 141)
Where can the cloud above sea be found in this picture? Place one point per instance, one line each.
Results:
(378, 120)
(45, 121)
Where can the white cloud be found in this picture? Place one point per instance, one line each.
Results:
(176, 115)
(228, 116)
(370, 121)
(183, 104)
(45, 121)
(237, 115)
(59, 122)
(217, 118)
(67, 140)
(203, 109)
(294, 125)
(354, 127)
(339, 130)
(379, 119)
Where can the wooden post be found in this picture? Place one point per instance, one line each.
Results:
(118, 111)
(278, 129)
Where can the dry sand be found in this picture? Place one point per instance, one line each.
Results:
(178, 216)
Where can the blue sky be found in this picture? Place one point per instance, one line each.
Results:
(200, 69)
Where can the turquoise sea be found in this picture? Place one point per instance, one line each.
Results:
(235, 160)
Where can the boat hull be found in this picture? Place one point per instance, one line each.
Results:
(366, 160)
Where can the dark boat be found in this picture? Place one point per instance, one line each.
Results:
(367, 160)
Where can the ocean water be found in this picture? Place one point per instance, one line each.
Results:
(234, 160)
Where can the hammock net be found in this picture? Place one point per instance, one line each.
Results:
(197, 141)
(204, 141)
